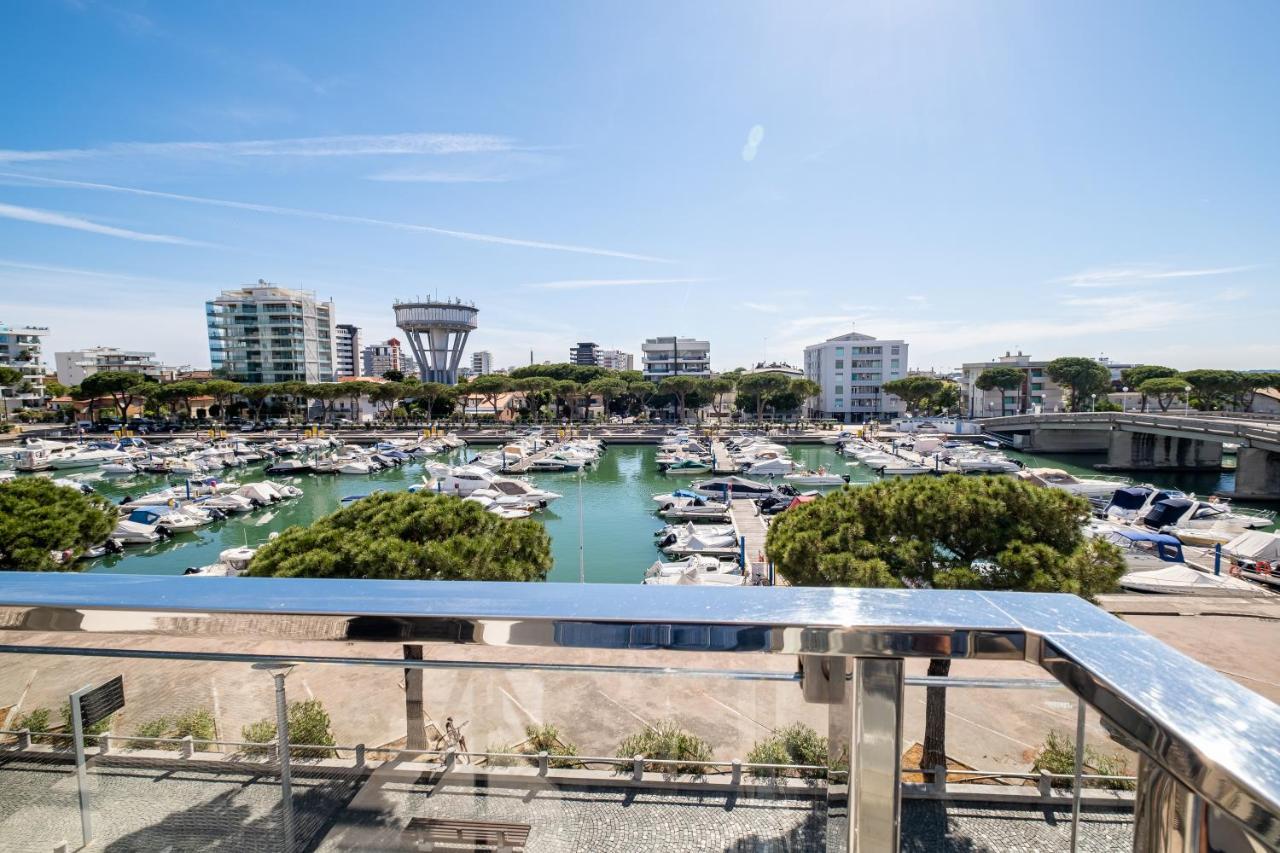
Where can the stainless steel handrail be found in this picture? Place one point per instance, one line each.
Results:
(1208, 733)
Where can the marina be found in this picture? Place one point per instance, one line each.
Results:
(609, 500)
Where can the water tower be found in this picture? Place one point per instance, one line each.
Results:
(437, 331)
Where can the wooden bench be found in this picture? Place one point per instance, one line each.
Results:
(426, 832)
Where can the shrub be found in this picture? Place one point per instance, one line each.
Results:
(35, 721)
(197, 722)
(546, 738)
(103, 725)
(665, 740)
(308, 725)
(500, 760)
(794, 744)
(158, 727)
(1058, 755)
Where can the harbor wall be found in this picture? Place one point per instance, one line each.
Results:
(1143, 450)
(1257, 474)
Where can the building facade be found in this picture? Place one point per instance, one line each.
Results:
(615, 359)
(73, 367)
(585, 354)
(346, 350)
(266, 333)
(852, 370)
(481, 362)
(672, 356)
(21, 349)
(1038, 392)
(386, 355)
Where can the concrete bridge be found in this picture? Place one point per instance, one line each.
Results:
(1136, 441)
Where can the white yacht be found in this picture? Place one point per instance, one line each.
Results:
(820, 477)
(89, 457)
(231, 562)
(1092, 488)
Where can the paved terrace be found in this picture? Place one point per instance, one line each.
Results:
(149, 809)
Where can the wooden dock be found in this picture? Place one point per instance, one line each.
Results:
(523, 465)
(722, 461)
(751, 530)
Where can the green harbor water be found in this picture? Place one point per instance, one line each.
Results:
(604, 520)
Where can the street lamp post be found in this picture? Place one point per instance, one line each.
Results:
(1093, 402)
(1186, 401)
(1124, 399)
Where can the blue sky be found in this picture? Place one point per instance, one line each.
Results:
(1064, 178)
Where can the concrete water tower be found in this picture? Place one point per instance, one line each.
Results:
(437, 331)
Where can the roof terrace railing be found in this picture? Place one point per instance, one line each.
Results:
(1209, 750)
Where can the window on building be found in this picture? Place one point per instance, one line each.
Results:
(839, 364)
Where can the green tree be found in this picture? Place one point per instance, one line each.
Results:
(121, 386)
(1133, 377)
(719, 388)
(680, 387)
(38, 518)
(257, 396)
(1246, 386)
(642, 392)
(410, 536)
(9, 380)
(947, 400)
(429, 393)
(1165, 390)
(221, 390)
(388, 395)
(1082, 377)
(608, 389)
(537, 393)
(914, 390)
(756, 390)
(567, 392)
(665, 740)
(489, 388)
(1210, 389)
(393, 375)
(952, 532)
(1004, 378)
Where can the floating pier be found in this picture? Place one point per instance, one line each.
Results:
(751, 531)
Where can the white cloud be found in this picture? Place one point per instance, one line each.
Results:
(754, 137)
(585, 283)
(62, 220)
(340, 217)
(763, 307)
(917, 298)
(1142, 273)
(310, 146)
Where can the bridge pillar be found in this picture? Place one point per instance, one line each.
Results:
(1129, 451)
(1063, 441)
(1257, 474)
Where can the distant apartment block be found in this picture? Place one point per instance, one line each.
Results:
(1038, 393)
(20, 348)
(74, 366)
(387, 355)
(585, 354)
(614, 359)
(852, 369)
(266, 333)
(672, 356)
(346, 345)
(481, 363)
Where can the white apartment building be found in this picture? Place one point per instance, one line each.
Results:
(672, 356)
(1038, 393)
(388, 355)
(851, 370)
(481, 363)
(73, 367)
(346, 348)
(266, 333)
(616, 359)
(20, 348)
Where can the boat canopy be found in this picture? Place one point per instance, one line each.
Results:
(1255, 545)
(1167, 511)
(1167, 548)
(146, 514)
(1183, 580)
(1131, 497)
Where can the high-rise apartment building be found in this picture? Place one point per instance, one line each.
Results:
(20, 348)
(585, 354)
(481, 363)
(386, 355)
(852, 369)
(672, 356)
(346, 347)
(266, 333)
(615, 359)
(73, 367)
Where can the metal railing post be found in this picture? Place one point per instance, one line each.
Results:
(280, 671)
(1079, 771)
